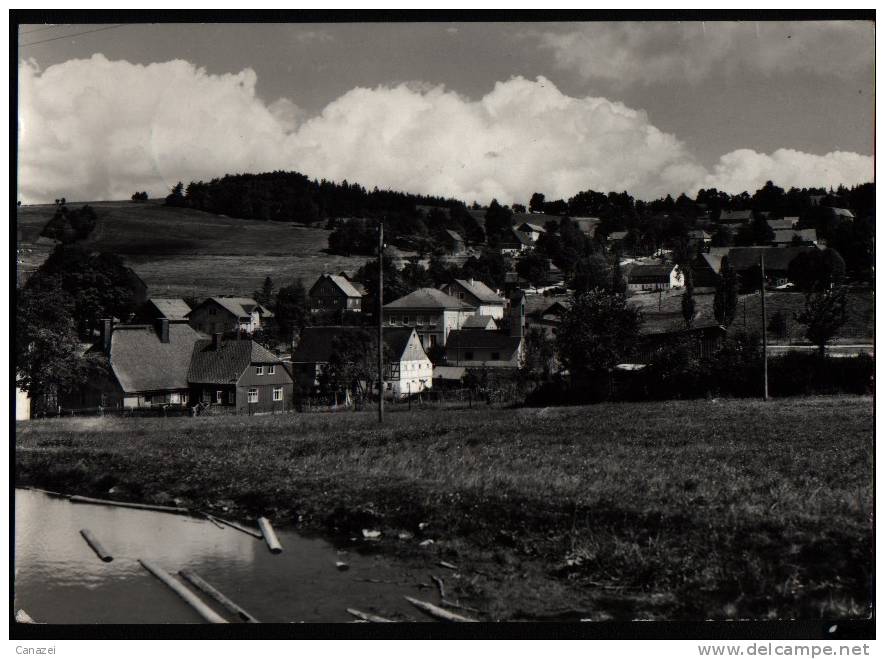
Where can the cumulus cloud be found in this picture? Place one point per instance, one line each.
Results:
(100, 129)
(648, 53)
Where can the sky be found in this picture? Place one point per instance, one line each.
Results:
(470, 110)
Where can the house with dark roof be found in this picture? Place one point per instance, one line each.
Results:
(706, 268)
(794, 237)
(334, 294)
(162, 307)
(477, 295)
(491, 349)
(784, 223)
(228, 314)
(480, 322)
(514, 242)
(408, 369)
(239, 375)
(452, 242)
(745, 261)
(531, 230)
(431, 312)
(735, 217)
(148, 366)
(699, 236)
(654, 277)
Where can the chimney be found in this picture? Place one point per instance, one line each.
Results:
(517, 314)
(163, 329)
(216, 341)
(107, 326)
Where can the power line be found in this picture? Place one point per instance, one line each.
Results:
(71, 36)
(41, 29)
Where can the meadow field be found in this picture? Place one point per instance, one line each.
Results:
(685, 510)
(183, 252)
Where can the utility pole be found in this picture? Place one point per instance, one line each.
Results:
(381, 321)
(764, 330)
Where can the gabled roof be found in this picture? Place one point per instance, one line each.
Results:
(776, 258)
(480, 291)
(787, 235)
(650, 274)
(530, 226)
(226, 365)
(241, 307)
(557, 308)
(466, 339)
(316, 343)
(427, 298)
(514, 238)
(735, 216)
(171, 308)
(141, 362)
(343, 284)
(713, 259)
(699, 234)
(617, 235)
(480, 322)
(843, 212)
(454, 235)
(786, 223)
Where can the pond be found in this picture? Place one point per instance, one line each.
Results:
(59, 579)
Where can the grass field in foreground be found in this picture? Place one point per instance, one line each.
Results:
(669, 510)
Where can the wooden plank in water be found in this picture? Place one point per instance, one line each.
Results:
(437, 612)
(367, 617)
(255, 533)
(269, 536)
(96, 546)
(195, 602)
(126, 504)
(205, 587)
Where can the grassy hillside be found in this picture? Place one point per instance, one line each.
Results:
(679, 510)
(859, 326)
(185, 252)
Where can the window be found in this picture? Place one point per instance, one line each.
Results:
(253, 394)
(468, 355)
(271, 370)
(422, 319)
(147, 399)
(496, 356)
(219, 397)
(231, 397)
(432, 321)
(259, 370)
(204, 396)
(405, 320)
(175, 398)
(278, 393)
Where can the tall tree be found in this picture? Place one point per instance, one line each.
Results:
(816, 270)
(536, 203)
(292, 310)
(726, 295)
(688, 304)
(265, 295)
(498, 220)
(823, 316)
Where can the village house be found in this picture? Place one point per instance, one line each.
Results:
(745, 261)
(735, 217)
(699, 236)
(228, 315)
(148, 366)
(546, 316)
(531, 230)
(480, 322)
(654, 278)
(514, 242)
(334, 294)
(490, 349)
(477, 295)
(452, 242)
(705, 340)
(783, 237)
(784, 223)
(162, 307)
(431, 312)
(238, 375)
(706, 268)
(408, 369)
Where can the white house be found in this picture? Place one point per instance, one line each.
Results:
(476, 294)
(431, 312)
(654, 278)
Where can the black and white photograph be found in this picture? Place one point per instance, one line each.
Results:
(405, 321)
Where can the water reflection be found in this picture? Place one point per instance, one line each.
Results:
(59, 579)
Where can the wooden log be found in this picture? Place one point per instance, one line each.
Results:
(213, 521)
(205, 587)
(22, 617)
(195, 602)
(437, 612)
(239, 527)
(96, 546)
(440, 586)
(367, 617)
(50, 493)
(126, 504)
(269, 536)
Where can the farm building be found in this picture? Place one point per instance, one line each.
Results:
(735, 217)
(514, 242)
(162, 307)
(745, 261)
(493, 349)
(706, 341)
(239, 375)
(408, 369)
(148, 366)
(794, 237)
(452, 242)
(476, 294)
(785, 223)
(228, 314)
(699, 236)
(431, 312)
(531, 230)
(654, 278)
(706, 268)
(334, 293)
